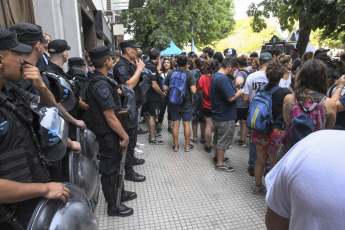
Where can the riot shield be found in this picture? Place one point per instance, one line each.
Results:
(146, 82)
(88, 143)
(129, 101)
(54, 131)
(55, 214)
(83, 173)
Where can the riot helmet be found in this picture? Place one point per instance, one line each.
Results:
(128, 101)
(62, 90)
(53, 130)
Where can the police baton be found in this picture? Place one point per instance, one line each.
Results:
(123, 117)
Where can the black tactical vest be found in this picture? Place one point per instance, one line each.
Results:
(19, 147)
(98, 123)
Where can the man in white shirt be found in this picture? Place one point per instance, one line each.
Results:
(299, 195)
(253, 83)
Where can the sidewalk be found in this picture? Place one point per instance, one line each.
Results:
(184, 191)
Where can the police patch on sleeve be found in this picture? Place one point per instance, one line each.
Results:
(103, 92)
(122, 70)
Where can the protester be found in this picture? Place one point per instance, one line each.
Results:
(288, 77)
(296, 61)
(267, 144)
(207, 53)
(299, 196)
(183, 111)
(223, 107)
(251, 61)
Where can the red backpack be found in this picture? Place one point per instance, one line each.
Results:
(304, 118)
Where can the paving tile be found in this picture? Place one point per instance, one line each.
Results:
(184, 191)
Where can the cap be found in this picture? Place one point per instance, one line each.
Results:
(75, 61)
(194, 55)
(58, 46)
(99, 52)
(9, 41)
(231, 52)
(320, 50)
(128, 43)
(27, 32)
(265, 57)
(89, 63)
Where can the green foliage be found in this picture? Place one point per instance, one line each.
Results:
(316, 39)
(244, 39)
(164, 20)
(326, 15)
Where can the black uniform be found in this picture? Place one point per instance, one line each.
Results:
(19, 145)
(101, 96)
(123, 71)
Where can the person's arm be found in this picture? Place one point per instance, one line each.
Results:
(237, 95)
(79, 123)
(331, 108)
(245, 97)
(32, 74)
(116, 126)
(275, 221)
(157, 89)
(133, 81)
(74, 145)
(12, 192)
(340, 106)
(339, 89)
(239, 82)
(193, 89)
(82, 104)
(285, 112)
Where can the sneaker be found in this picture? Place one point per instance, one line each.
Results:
(138, 151)
(158, 135)
(251, 170)
(225, 159)
(169, 130)
(139, 145)
(241, 143)
(208, 149)
(141, 131)
(156, 142)
(225, 167)
(258, 189)
(158, 130)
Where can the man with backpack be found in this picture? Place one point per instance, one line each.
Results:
(154, 94)
(224, 114)
(180, 86)
(251, 86)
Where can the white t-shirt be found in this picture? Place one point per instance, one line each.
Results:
(253, 83)
(307, 185)
(285, 83)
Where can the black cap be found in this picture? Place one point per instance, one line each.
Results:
(58, 46)
(27, 32)
(128, 43)
(89, 63)
(75, 61)
(9, 41)
(320, 50)
(99, 52)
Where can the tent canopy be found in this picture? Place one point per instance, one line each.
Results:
(171, 50)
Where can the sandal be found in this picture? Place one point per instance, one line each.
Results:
(175, 150)
(191, 147)
(194, 140)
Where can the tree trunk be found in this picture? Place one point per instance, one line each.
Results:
(304, 33)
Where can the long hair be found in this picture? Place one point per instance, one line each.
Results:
(171, 65)
(312, 76)
(213, 66)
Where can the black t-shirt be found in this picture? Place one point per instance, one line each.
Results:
(190, 81)
(151, 94)
(277, 104)
(123, 71)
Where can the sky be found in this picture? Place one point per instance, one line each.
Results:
(241, 6)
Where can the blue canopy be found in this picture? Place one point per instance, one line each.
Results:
(171, 50)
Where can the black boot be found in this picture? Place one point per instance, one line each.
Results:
(135, 177)
(137, 161)
(127, 196)
(122, 210)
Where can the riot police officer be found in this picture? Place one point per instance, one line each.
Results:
(19, 144)
(127, 71)
(104, 103)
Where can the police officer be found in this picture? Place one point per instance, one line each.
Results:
(104, 101)
(19, 146)
(90, 68)
(127, 71)
(31, 35)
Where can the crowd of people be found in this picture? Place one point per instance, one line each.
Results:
(213, 91)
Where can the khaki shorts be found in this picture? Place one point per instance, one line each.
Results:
(223, 134)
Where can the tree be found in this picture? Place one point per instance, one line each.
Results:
(164, 20)
(326, 15)
(243, 39)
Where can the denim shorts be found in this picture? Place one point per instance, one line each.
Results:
(223, 134)
(176, 115)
